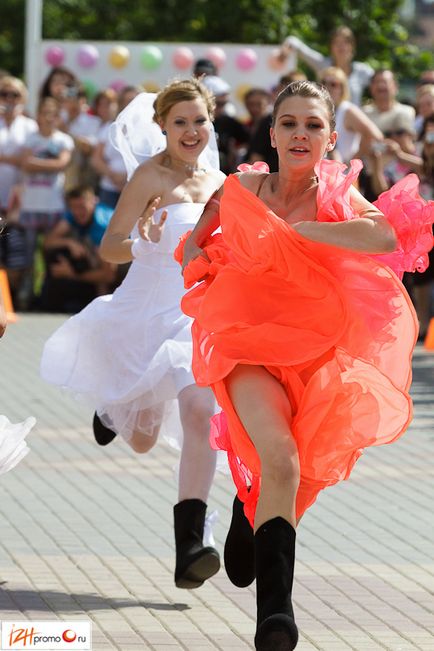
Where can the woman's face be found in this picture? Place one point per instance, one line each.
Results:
(187, 125)
(341, 50)
(301, 133)
(58, 85)
(334, 87)
(106, 109)
(11, 100)
(425, 105)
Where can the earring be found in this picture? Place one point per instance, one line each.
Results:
(164, 132)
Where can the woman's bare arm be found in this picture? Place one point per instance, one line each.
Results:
(370, 233)
(207, 224)
(139, 192)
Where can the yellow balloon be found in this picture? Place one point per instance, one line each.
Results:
(119, 56)
(241, 91)
(151, 87)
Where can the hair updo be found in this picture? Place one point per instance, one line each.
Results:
(181, 90)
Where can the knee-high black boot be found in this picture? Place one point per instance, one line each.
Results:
(239, 553)
(275, 554)
(194, 562)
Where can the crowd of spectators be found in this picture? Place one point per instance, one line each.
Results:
(60, 176)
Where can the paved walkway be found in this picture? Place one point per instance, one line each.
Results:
(87, 532)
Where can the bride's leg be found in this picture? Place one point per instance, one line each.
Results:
(147, 428)
(194, 562)
(198, 460)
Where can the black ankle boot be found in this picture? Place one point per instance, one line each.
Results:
(103, 435)
(239, 553)
(275, 554)
(194, 562)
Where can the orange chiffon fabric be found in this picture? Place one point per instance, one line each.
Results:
(336, 327)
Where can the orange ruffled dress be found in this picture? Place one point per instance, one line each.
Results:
(336, 327)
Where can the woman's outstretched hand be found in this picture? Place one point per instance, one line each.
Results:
(148, 230)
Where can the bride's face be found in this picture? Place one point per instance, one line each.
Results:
(187, 125)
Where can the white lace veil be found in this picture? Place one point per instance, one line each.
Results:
(137, 137)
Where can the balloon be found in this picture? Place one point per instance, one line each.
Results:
(216, 55)
(183, 58)
(117, 85)
(151, 57)
(90, 88)
(119, 56)
(246, 59)
(151, 87)
(54, 55)
(275, 62)
(241, 91)
(87, 56)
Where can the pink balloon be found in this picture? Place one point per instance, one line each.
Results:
(183, 58)
(216, 55)
(54, 55)
(87, 56)
(117, 85)
(246, 59)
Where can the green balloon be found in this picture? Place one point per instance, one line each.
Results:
(151, 57)
(90, 88)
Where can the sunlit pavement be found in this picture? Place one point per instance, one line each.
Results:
(86, 533)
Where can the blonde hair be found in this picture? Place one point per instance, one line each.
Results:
(340, 76)
(426, 89)
(181, 90)
(17, 84)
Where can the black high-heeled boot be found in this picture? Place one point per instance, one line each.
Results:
(239, 552)
(194, 562)
(103, 435)
(275, 554)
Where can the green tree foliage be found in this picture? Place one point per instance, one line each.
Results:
(382, 37)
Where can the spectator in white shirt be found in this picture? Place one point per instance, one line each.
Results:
(46, 155)
(342, 51)
(83, 129)
(106, 159)
(14, 130)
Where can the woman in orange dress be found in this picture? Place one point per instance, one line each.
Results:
(304, 332)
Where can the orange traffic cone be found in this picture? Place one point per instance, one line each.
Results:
(429, 339)
(5, 297)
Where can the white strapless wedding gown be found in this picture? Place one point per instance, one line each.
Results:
(128, 355)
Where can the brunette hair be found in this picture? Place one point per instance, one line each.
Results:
(181, 90)
(344, 32)
(57, 70)
(306, 89)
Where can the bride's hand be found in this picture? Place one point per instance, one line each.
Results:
(148, 230)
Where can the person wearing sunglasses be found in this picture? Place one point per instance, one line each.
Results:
(356, 131)
(15, 128)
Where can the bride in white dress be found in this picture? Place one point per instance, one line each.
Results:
(129, 354)
(13, 447)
